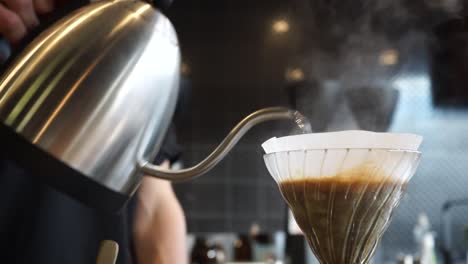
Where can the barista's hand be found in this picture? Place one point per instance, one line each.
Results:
(17, 17)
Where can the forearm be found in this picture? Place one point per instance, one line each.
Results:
(169, 235)
(159, 231)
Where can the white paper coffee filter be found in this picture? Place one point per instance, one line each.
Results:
(327, 154)
(342, 140)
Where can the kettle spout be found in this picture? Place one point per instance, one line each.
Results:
(260, 116)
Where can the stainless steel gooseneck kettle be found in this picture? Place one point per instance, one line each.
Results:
(86, 105)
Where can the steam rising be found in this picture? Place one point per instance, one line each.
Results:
(352, 51)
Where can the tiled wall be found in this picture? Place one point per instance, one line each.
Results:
(236, 194)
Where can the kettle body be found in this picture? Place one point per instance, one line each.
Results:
(90, 97)
(86, 105)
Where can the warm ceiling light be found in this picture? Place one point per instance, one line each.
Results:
(185, 69)
(389, 57)
(281, 26)
(295, 75)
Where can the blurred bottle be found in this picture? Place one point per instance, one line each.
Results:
(425, 241)
(219, 254)
(428, 255)
(202, 253)
(405, 259)
(264, 248)
(243, 249)
(422, 227)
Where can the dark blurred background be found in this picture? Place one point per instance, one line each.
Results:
(379, 65)
(234, 63)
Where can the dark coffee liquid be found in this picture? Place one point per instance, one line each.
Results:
(344, 216)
